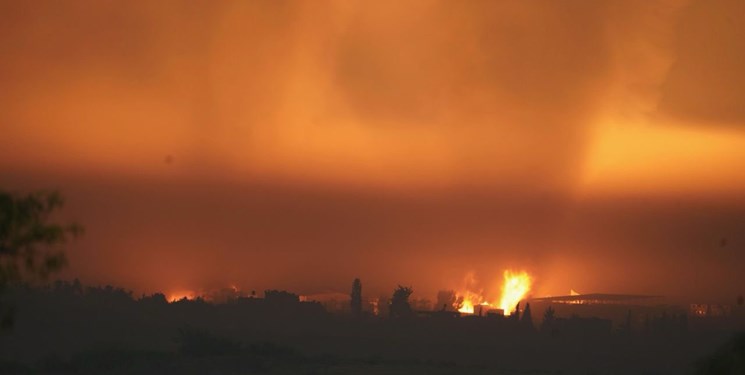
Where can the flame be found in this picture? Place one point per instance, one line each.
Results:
(469, 298)
(470, 301)
(516, 286)
(467, 307)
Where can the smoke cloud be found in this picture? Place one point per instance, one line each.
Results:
(301, 144)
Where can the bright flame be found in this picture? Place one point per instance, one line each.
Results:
(469, 298)
(471, 301)
(516, 286)
(573, 293)
(467, 307)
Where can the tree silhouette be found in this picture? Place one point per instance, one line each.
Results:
(356, 302)
(29, 243)
(527, 319)
(447, 301)
(516, 315)
(549, 317)
(400, 307)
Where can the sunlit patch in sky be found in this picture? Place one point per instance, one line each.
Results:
(660, 158)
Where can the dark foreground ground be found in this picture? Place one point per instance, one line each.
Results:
(54, 333)
(213, 355)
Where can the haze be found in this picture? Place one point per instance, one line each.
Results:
(297, 145)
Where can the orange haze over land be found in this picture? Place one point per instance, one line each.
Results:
(298, 145)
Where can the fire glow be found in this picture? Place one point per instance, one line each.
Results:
(515, 287)
(469, 301)
(181, 294)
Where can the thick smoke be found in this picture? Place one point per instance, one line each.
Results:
(482, 92)
(297, 144)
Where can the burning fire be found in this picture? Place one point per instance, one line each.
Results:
(470, 300)
(515, 287)
(467, 308)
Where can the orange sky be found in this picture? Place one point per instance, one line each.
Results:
(412, 143)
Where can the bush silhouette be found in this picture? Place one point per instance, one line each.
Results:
(400, 307)
(29, 243)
